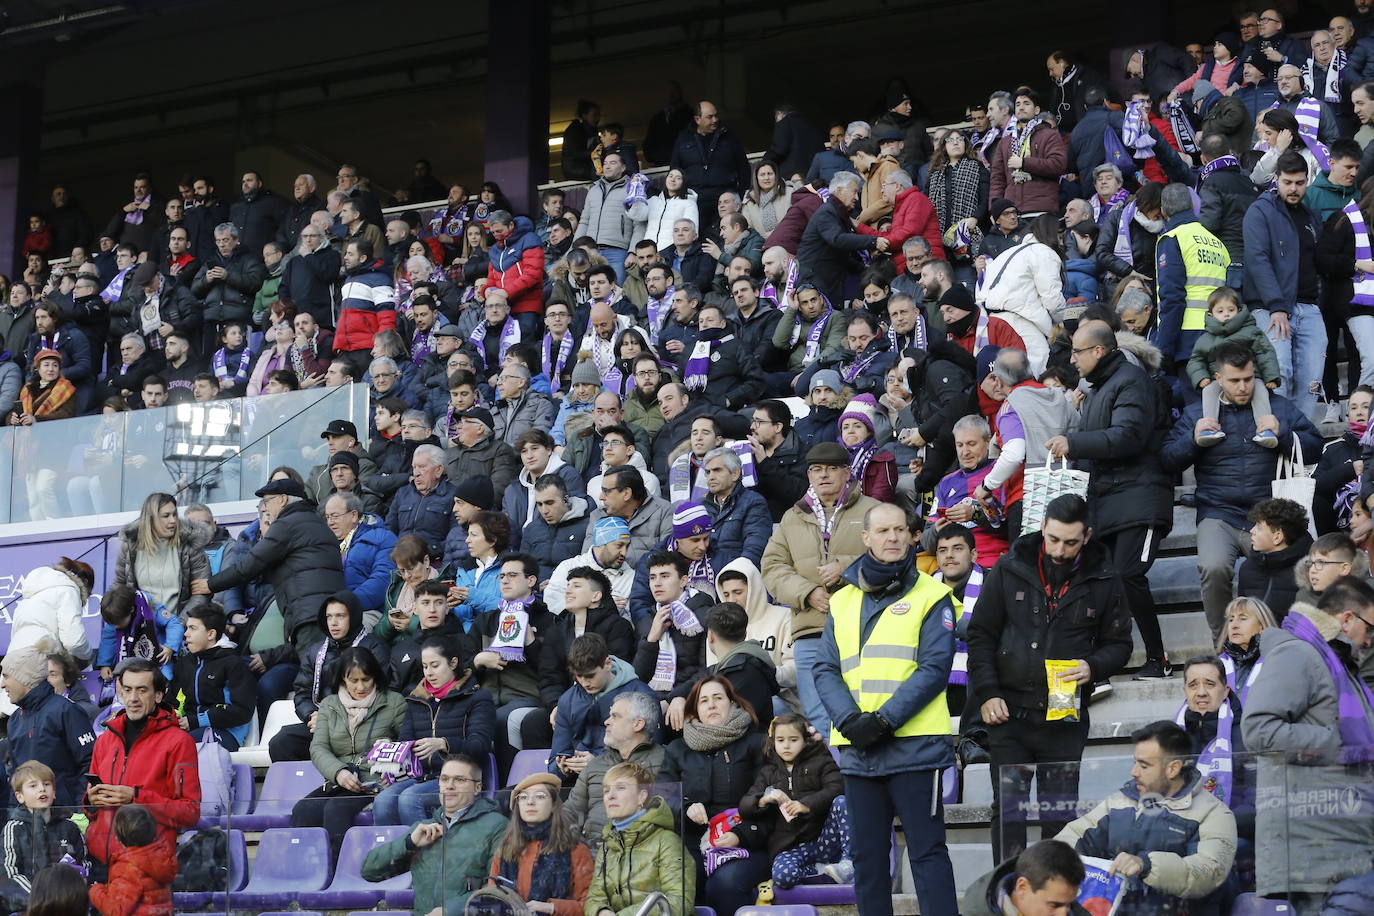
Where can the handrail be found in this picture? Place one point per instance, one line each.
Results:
(657, 900)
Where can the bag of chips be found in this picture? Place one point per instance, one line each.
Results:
(1063, 703)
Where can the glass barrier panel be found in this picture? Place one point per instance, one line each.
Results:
(47, 457)
(6, 473)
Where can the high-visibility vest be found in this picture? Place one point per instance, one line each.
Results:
(874, 671)
(1205, 260)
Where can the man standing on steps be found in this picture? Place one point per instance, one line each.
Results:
(1053, 604)
(881, 669)
(1121, 426)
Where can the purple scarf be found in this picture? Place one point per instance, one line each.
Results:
(859, 457)
(959, 673)
(1214, 763)
(1122, 247)
(684, 620)
(221, 363)
(139, 639)
(1357, 737)
(1135, 131)
(553, 365)
(510, 334)
(1116, 200)
(135, 218)
(861, 362)
(658, 313)
(1309, 114)
(827, 522)
(699, 365)
(421, 345)
(813, 336)
(1364, 283)
(1220, 162)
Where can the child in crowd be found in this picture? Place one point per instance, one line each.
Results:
(674, 651)
(233, 361)
(141, 870)
(797, 798)
(586, 385)
(33, 838)
(136, 627)
(579, 729)
(213, 687)
(640, 851)
(1278, 540)
(1229, 320)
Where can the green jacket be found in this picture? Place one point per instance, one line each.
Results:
(1326, 198)
(446, 873)
(1241, 329)
(646, 856)
(644, 418)
(383, 629)
(334, 747)
(267, 293)
(831, 341)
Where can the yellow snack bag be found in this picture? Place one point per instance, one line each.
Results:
(1063, 703)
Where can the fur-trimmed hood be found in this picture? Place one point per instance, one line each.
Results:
(1147, 353)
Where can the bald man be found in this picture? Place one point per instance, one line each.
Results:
(1292, 93)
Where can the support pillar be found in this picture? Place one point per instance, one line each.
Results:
(517, 150)
(19, 146)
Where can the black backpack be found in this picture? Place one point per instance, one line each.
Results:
(203, 862)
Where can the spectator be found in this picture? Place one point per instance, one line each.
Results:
(519, 409)
(556, 530)
(367, 303)
(137, 222)
(1026, 291)
(1230, 321)
(830, 243)
(45, 726)
(631, 728)
(1026, 169)
(64, 675)
(717, 367)
(610, 539)
(541, 856)
(769, 197)
(578, 139)
(1278, 541)
(954, 501)
(212, 686)
(913, 215)
(635, 822)
(516, 268)
(424, 505)
(1043, 879)
(489, 536)
(711, 159)
(734, 656)
(309, 275)
(141, 872)
(875, 471)
(365, 544)
(583, 708)
(164, 556)
(624, 496)
(34, 839)
(1182, 856)
(536, 450)
(144, 755)
(478, 453)
(258, 213)
(227, 282)
(52, 602)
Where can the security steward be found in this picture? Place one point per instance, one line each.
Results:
(1190, 262)
(881, 671)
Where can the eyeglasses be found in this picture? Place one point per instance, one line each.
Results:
(335, 516)
(1269, 19)
(1320, 564)
(762, 421)
(459, 779)
(1078, 350)
(532, 797)
(614, 443)
(646, 373)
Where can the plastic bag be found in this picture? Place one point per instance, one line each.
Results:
(1063, 705)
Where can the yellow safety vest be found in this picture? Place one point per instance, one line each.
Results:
(1205, 260)
(874, 671)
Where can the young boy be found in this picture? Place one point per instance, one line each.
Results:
(232, 362)
(635, 824)
(1278, 539)
(462, 395)
(1229, 320)
(212, 686)
(586, 385)
(579, 727)
(136, 627)
(674, 652)
(746, 663)
(32, 838)
(1332, 556)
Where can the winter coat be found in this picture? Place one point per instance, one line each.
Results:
(299, 556)
(718, 780)
(692, 266)
(552, 544)
(584, 807)
(1240, 328)
(367, 304)
(1352, 897)
(750, 669)
(1335, 257)
(1271, 262)
(140, 881)
(214, 689)
(645, 857)
(814, 779)
(258, 218)
(796, 551)
(161, 763)
(649, 524)
(782, 477)
(516, 265)
(53, 729)
(465, 718)
(711, 162)
(1142, 247)
(984, 896)
(333, 747)
(580, 863)
(644, 417)
(518, 500)
(230, 299)
(1226, 195)
(604, 217)
(531, 410)
(580, 725)
(871, 379)
(484, 590)
(805, 202)
(1023, 286)
(78, 365)
(794, 142)
(32, 843)
(317, 671)
(654, 217)
(1292, 708)
(1092, 622)
(1234, 474)
(430, 515)
(406, 673)
(51, 605)
(604, 620)
(792, 355)
(912, 215)
(445, 873)
(829, 249)
(779, 203)
(308, 281)
(367, 565)
(1335, 469)
(733, 379)
(490, 458)
(1121, 425)
(191, 559)
(1048, 159)
(1269, 576)
(1187, 839)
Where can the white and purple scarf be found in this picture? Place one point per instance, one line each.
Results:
(770, 291)
(827, 522)
(1364, 283)
(1309, 115)
(112, 292)
(512, 623)
(1214, 763)
(393, 761)
(1352, 696)
(320, 655)
(919, 337)
(659, 309)
(699, 363)
(984, 143)
(1116, 200)
(1182, 127)
(1135, 131)
(553, 364)
(510, 334)
(958, 674)
(423, 344)
(135, 216)
(1221, 162)
(221, 364)
(449, 221)
(636, 189)
(1122, 246)
(684, 620)
(1331, 86)
(813, 336)
(859, 457)
(861, 362)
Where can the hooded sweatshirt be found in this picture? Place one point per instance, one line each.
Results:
(770, 625)
(1030, 416)
(580, 725)
(317, 660)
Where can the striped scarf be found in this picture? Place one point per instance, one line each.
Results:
(1182, 127)
(1135, 131)
(1364, 283)
(1122, 246)
(954, 191)
(1331, 84)
(959, 673)
(1309, 115)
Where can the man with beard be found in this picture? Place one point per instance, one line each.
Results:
(203, 213)
(642, 413)
(777, 457)
(610, 545)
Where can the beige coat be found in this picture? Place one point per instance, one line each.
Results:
(871, 204)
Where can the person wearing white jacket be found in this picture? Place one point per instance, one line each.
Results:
(1024, 286)
(53, 600)
(655, 216)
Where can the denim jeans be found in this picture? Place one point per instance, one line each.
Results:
(405, 802)
(1302, 356)
(616, 258)
(1361, 328)
(806, 651)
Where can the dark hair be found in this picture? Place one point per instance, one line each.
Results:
(58, 890)
(1170, 737)
(1345, 148)
(621, 430)
(81, 570)
(1093, 96)
(356, 658)
(1290, 163)
(461, 377)
(1282, 515)
(451, 647)
(71, 671)
(731, 694)
(584, 106)
(1234, 354)
(732, 575)
(117, 605)
(211, 616)
(545, 481)
(1346, 594)
(628, 477)
(1027, 92)
(1049, 859)
(956, 533)
(527, 562)
(729, 621)
(285, 377)
(587, 652)
(866, 145)
(668, 558)
(361, 245)
(142, 666)
(496, 527)
(533, 436)
(638, 335)
(134, 826)
(795, 720)
(526, 353)
(393, 405)
(602, 270)
(549, 194)
(431, 588)
(206, 377)
(1069, 509)
(1205, 660)
(594, 576)
(349, 368)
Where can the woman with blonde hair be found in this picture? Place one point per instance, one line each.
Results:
(1239, 642)
(540, 855)
(164, 556)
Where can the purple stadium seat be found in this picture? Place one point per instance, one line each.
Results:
(949, 780)
(290, 861)
(403, 899)
(490, 779)
(1252, 905)
(287, 782)
(349, 890)
(242, 777)
(705, 911)
(819, 891)
(186, 901)
(527, 763)
(794, 910)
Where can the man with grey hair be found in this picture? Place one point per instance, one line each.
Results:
(915, 254)
(827, 162)
(1190, 262)
(740, 521)
(228, 280)
(954, 503)
(913, 216)
(1000, 124)
(1293, 93)
(518, 408)
(45, 726)
(424, 506)
(387, 383)
(365, 544)
(830, 245)
(305, 201)
(604, 217)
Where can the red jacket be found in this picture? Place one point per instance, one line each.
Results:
(788, 231)
(880, 477)
(912, 214)
(517, 266)
(1000, 334)
(161, 767)
(140, 881)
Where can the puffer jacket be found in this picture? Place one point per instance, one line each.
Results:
(319, 660)
(193, 563)
(465, 718)
(490, 458)
(1143, 238)
(334, 746)
(718, 780)
(740, 525)
(51, 604)
(795, 552)
(1352, 897)
(367, 566)
(654, 217)
(1242, 329)
(584, 807)
(444, 874)
(1269, 576)
(516, 265)
(603, 214)
(367, 305)
(606, 621)
(876, 359)
(53, 729)
(580, 725)
(645, 857)
(552, 544)
(1187, 839)
(1023, 286)
(1226, 194)
(230, 299)
(140, 881)
(814, 780)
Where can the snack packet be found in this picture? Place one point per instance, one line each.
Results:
(1063, 704)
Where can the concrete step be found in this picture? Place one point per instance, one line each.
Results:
(1182, 538)
(1133, 704)
(1175, 581)
(1185, 634)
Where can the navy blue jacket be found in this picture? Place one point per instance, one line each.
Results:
(825, 164)
(77, 366)
(713, 162)
(1171, 276)
(1234, 474)
(465, 718)
(740, 527)
(53, 729)
(934, 659)
(552, 544)
(430, 516)
(1087, 152)
(217, 690)
(515, 502)
(368, 564)
(1271, 254)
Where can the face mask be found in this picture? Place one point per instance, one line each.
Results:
(959, 328)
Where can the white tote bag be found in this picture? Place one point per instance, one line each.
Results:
(1293, 481)
(1044, 484)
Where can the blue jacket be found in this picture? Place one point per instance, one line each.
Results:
(216, 690)
(580, 725)
(1271, 254)
(1087, 151)
(1171, 277)
(484, 592)
(552, 544)
(169, 633)
(934, 659)
(1080, 278)
(825, 164)
(566, 409)
(1352, 897)
(53, 729)
(430, 516)
(740, 527)
(1234, 474)
(368, 564)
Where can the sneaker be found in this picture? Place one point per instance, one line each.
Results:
(1101, 691)
(1154, 669)
(1209, 437)
(1266, 439)
(1333, 412)
(841, 872)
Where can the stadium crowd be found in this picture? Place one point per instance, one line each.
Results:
(734, 468)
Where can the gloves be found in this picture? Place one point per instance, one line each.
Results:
(865, 729)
